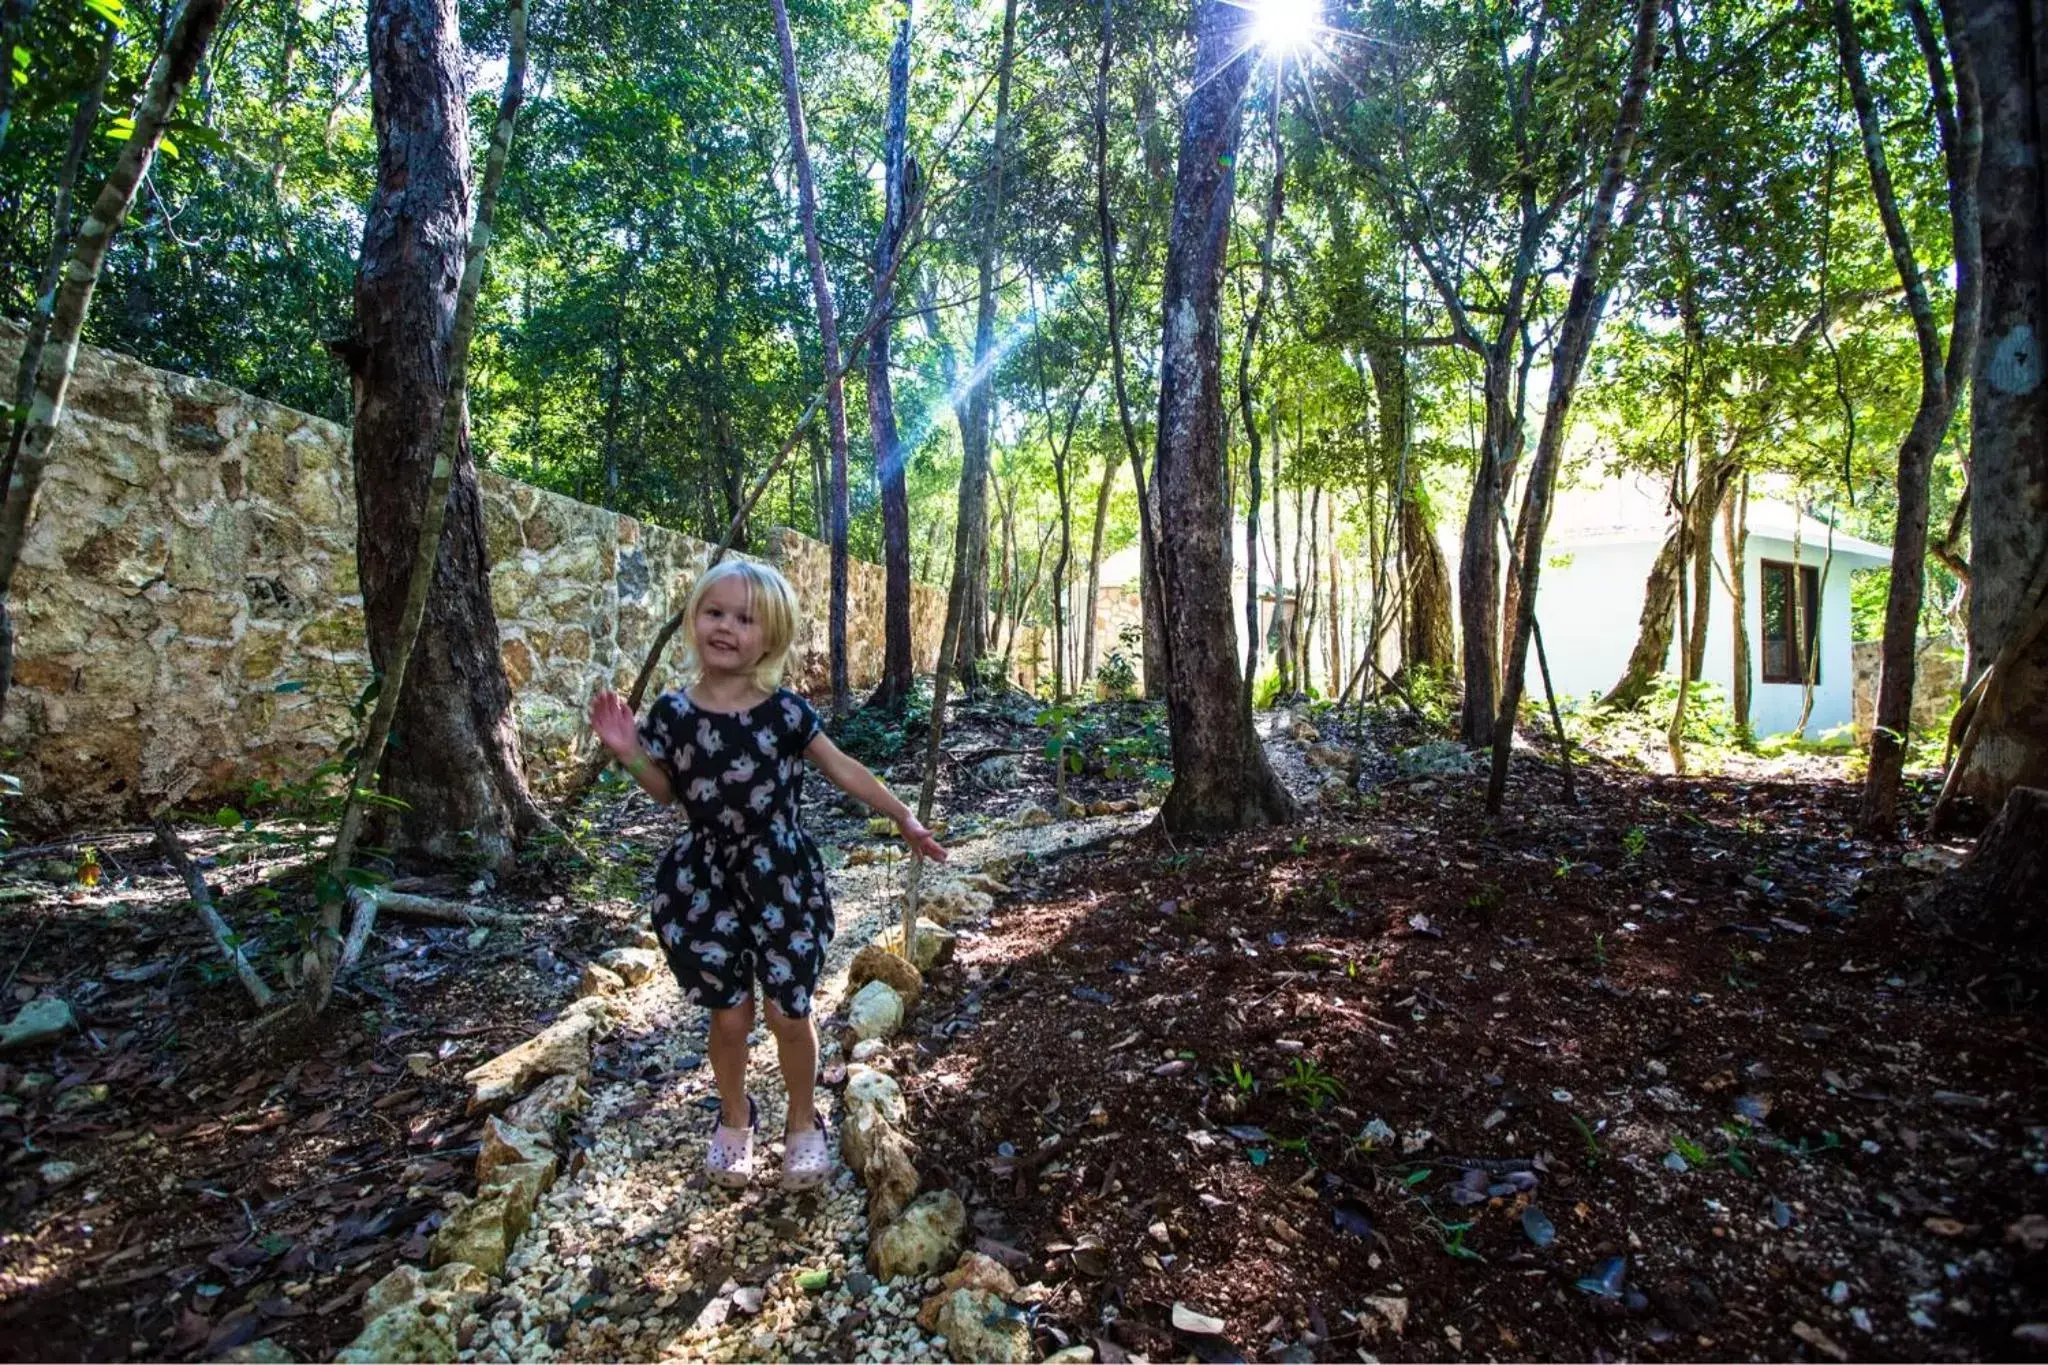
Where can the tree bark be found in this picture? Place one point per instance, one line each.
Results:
(828, 339)
(1102, 496)
(1275, 202)
(1583, 310)
(1941, 379)
(61, 237)
(1735, 533)
(168, 77)
(1657, 624)
(2008, 400)
(458, 771)
(1151, 584)
(898, 663)
(1998, 899)
(1221, 780)
(972, 553)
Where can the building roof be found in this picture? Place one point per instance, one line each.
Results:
(1632, 509)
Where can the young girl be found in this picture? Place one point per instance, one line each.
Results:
(740, 896)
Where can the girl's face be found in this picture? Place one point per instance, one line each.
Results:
(728, 634)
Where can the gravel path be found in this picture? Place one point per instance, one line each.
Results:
(637, 1257)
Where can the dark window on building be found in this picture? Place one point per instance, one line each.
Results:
(1791, 621)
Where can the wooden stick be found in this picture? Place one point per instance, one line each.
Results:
(202, 900)
(439, 911)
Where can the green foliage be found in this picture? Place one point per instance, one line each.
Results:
(1313, 1086)
(1117, 677)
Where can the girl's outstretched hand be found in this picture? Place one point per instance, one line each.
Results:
(613, 722)
(920, 839)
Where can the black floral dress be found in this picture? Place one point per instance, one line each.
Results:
(740, 896)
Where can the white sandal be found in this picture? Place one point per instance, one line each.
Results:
(730, 1158)
(806, 1157)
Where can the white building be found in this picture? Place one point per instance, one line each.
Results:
(1597, 559)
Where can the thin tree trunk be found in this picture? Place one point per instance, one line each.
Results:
(1336, 659)
(1221, 779)
(2008, 40)
(1583, 310)
(1152, 583)
(450, 440)
(1275, 202)
(1735, 532)
(1674, 734)
(1102, 496)
(168, 76)
(972, 553)
(1283, 657)
(828, 338)
(1312, 589)
(898, 663)
(61, 237)
(1941, 380)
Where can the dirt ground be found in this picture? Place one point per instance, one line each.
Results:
(1671, 1074)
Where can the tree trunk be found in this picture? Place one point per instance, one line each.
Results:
(330, 953)
(1998, 899)
(1312, 588)
(1283, 658)
(975, 433)
(168, 76)
(1151, 584)
(458, 769)
(1940, 380)
(61, 237)
(1102, 496)
(1275, 202)
(1655, 627)
(2009, 402)
(1428, 641)
(1583, 309)
(1221, 780)
(1479, 555)
(898, 661)
(828, 339)
(1735, 532)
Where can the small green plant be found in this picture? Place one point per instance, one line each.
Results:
(1313, 1085)
(1590, 1138)
(1564, 867)
(1238, 1077)
(1694, 1154)
(1600, 949)
(1116, 677)
(1635, 841)
(1452, 1238)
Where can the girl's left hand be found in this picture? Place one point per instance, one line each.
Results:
(920, 839)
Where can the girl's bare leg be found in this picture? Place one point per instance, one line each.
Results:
(796, 1048)
(728, 1048)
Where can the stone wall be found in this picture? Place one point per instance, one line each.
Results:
(189, 620)
(1937, 684)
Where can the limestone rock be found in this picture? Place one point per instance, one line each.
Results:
(39, 1021)
(600, 1010)
(548, 1109)
(634, 965)
(56, 1173)
(947, 901)
(889, 1172)
(528, 1180)
(1070, 809)
(875, 963)
(935, 944)
(506, 1144)
(416, 1332)
(455, 1285)
(1036, 817)
(1073, 1355)
(1324, 756)
(872, 1098)
(264, 1352)
(560, 1049)
(481, 1232)
(597, 980)
(868, 1048)
(1303, 732)
(980, 1326)
(926, 1237)
(975, 1271)
(644, 937)
(875, 1011)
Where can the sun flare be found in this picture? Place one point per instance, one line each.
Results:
(1286, 27)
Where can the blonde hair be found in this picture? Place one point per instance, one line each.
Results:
(771, 601)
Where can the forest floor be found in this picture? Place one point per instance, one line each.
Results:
(1674, 1073)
